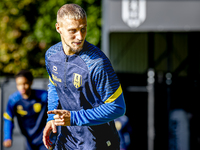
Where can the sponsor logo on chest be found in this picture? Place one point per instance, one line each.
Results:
(56, 78)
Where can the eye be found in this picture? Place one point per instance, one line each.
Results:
(83, 29)
(72, 31)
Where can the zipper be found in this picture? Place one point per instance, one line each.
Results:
(65, 71)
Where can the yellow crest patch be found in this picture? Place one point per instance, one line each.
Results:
(21, 111)
(77, 80)
(37, 107)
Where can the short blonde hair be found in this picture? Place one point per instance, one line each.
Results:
(71, 11)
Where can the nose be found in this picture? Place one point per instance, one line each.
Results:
(79, 36)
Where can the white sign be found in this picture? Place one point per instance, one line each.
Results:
(133, 12)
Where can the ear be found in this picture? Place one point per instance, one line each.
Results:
(58, 28)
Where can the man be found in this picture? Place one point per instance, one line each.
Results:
(84, 95)
(29, 106)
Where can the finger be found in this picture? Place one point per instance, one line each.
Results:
(54, 129)
(47, 142)
(57, 117)
(55, 111)
(60, 123)
(63, 116)
(46, 137)
(50, 112)
(59, 120)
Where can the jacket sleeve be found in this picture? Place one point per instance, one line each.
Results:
(99, 115)
(52, 94)
(52, 100)
(8, 121)
(110, 92)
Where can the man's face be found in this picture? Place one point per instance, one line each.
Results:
(23, 85)
(73, 33)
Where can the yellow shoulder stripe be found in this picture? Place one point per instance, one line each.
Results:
(51, 80)
(6, 116)
(113, 97)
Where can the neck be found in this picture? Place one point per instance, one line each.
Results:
(66, 48)
(26, 95)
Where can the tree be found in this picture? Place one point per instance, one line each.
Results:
(27, 30)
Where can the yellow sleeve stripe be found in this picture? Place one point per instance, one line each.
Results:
(113, 97)
(6, 116)
(51, 80)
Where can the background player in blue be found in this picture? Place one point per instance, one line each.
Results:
(84, 95)
(124, 129)
(30, 107)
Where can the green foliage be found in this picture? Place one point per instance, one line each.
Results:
(27, 30)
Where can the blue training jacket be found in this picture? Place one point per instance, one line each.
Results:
(87, 86)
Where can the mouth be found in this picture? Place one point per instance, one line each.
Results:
(23, 91)
(77, 43)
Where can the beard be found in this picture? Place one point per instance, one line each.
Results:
(74, 50)
(77, 50)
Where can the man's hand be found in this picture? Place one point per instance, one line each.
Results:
(62, 117)
(7, 143)
(50, 126)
